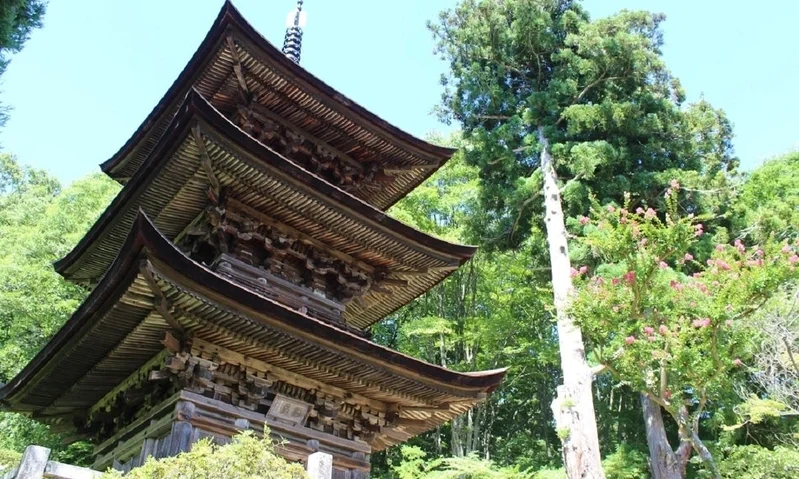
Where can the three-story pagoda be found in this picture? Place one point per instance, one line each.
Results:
(235, 275)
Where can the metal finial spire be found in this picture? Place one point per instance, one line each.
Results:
(292, 44)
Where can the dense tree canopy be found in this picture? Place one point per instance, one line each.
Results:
(39, 223)
(684, 267)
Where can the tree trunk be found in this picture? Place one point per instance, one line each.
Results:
(574, 406)
(663, 461)
(704, 453)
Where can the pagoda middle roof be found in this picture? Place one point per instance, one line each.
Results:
(172, 186)
(291, 93)
(117, 329)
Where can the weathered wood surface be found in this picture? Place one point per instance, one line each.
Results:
(35, 464)
(236, 68)
(174, 190)
(57, 470)
(34, 461)
(320, 466)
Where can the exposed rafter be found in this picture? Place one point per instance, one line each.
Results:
(205, 161)
(162, 304)
(244, 91)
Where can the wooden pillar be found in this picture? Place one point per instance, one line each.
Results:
(34, 461)
(320, 465)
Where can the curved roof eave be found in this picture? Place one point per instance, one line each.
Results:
(228, 17)
(195, 104)
(144, 237)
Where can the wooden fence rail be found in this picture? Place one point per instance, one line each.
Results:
(35, 464)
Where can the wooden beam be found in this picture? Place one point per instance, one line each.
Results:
(392, 282)
(233, 357)
(162, 304)
(127, 382)
(441, 407)
(199, 219)
(315, 117)
(405, 421)
(171, 343)
(425, 271)
(205, 160)
(259, 109)
(299, 235)
(398, 170)
(237, 69)
(258, 419)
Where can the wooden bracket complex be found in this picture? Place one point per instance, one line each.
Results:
(238, 70)
(162, 304)
(205, 161)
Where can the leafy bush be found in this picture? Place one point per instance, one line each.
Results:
(8, 460)
(625, 463)
(756, 462)
(246, 457)
(551, 474)
(415, 466)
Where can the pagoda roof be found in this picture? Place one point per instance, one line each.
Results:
(232, 53)
(172, 188)
(118, 328)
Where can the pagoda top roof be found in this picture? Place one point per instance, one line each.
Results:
(171, 187)
(233, 54)
(118, 328)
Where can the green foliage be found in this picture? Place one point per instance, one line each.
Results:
(415, 466)
(8, 460)
(491, 313)
(39, 223)
(609, 106)
(20, 432)
(17, 19)
(755, 462)
(246, 457)
(661, 321)
(768, 203)
(755, 410)
(550, 474)
(624, 463)
(670, 327)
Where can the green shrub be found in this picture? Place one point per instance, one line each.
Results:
(756, 462)
(414, 465)
(626, 463)
(246, 457)
(8, 460)
(551, 474)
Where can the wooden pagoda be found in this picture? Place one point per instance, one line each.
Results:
(236, 274)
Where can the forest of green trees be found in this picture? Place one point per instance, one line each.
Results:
(639, 285)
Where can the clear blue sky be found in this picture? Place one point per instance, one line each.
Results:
(87, 79)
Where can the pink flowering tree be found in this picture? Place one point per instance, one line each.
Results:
(672, 328)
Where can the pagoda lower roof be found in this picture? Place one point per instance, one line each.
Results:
(118, 328)
(172, 188)
(234, 56)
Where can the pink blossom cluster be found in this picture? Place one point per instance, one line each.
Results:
(701, 323)
(676, 285)
(649, 333)
(579, 272)
(699, 229)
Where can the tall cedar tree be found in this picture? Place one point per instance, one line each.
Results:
(553, 102)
